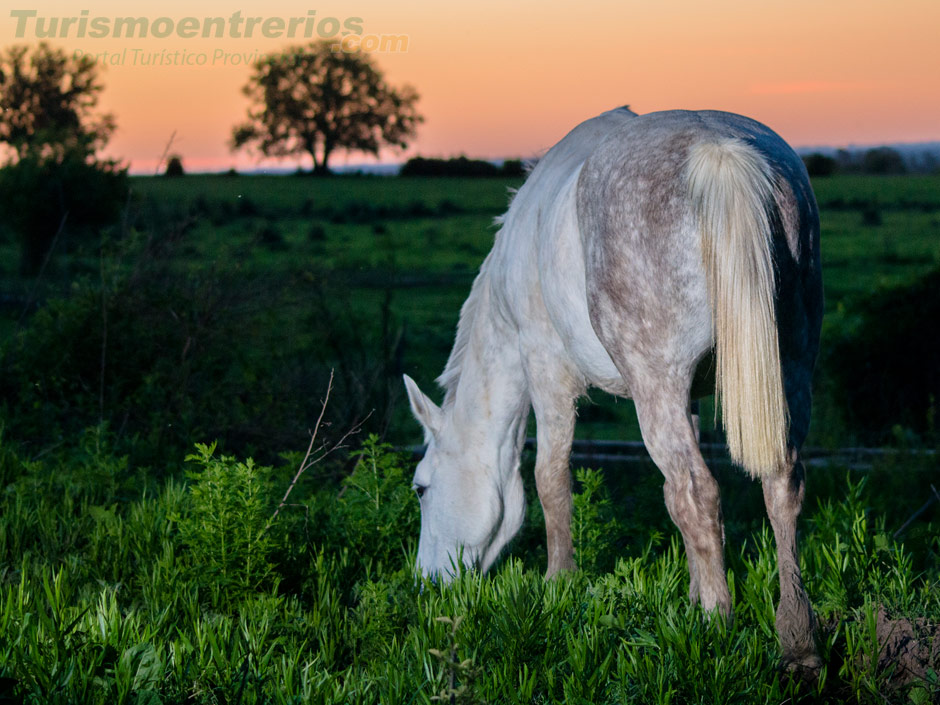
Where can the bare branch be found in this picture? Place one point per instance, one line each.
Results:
(305, 463)
(317, 454)
(924, 508)
(166, 151)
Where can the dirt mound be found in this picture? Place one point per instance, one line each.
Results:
(908, 649)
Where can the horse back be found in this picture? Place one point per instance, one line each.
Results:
(645, 280)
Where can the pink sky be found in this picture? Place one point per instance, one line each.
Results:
(509, 78)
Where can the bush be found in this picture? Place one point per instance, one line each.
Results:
(376, 515)
(43, 198)
(164, 356)
(174, 166)
(883, 160)
(316, 233)
(458, 166)
(225, 525)
(593, 526)
(271, 238)
(886, 368)
(99, 606)
(820, 165)
(513, 168)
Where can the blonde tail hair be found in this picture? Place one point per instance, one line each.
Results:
(731, 191)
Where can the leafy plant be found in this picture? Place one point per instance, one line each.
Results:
(378, 509)
(105, 601)
(225, 525)
(887, 367)
(593, 526)
(456, 674)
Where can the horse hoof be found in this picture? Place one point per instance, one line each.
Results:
(805, 667)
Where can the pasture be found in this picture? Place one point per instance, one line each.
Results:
(216, 310)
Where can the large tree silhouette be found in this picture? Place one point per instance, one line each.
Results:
(313, 100)
(52, 183)
(48, 103)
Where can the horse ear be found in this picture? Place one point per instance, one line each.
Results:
(426, 411)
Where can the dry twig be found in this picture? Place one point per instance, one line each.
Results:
(316, 454)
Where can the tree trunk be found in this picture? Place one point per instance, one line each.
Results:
(323, 169)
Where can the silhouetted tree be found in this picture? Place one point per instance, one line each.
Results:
(819, 164)
(48, 103)
(52, 180)
(513, 168)
(174, 166)
(883, 160)
(312, 100)
(455, 166)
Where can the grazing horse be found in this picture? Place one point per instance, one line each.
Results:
(658, 257)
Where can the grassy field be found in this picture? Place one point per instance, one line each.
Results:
(408, 249)
(398, 255)
(216, 309)
(116, 589)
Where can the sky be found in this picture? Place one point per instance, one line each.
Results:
(508, 78)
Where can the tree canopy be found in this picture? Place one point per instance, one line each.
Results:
(313, 100)
(48, 103)
(53, 182)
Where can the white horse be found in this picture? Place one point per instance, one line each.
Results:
(658, 257)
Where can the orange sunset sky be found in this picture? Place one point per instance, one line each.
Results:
(509, 78)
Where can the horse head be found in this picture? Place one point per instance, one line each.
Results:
(469, 508)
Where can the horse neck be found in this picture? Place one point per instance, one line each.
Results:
(489, 399)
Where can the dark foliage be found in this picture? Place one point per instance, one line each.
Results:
(461, 166)
(174, 166)
(878, 160)
(48, 103)
(819, 164)
(42, 198)
(887, 369)
(883, 160)
(163, 357)
(314, 100)
(513, 168)
(53, 185)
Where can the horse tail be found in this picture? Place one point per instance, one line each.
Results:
(732, 194)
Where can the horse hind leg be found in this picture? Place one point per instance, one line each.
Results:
(783, 496)
(691, 493)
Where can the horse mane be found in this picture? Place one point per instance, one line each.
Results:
(468, 312)
(521, 212)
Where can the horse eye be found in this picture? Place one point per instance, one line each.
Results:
(419, 490)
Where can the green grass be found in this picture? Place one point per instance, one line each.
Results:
(445, 250)
(121, 584)
(113, 590)
(401, 254)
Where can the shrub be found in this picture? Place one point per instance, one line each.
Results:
(224, 525)
(871, 214)
(43, 198)
(316, 233)
(886, 368)
(271, 238)
(376, 515)
(883, 160)
(174, 166)
(457, 166)
(512, 168)
(593, 526)
(164, 356)
(820, 165)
